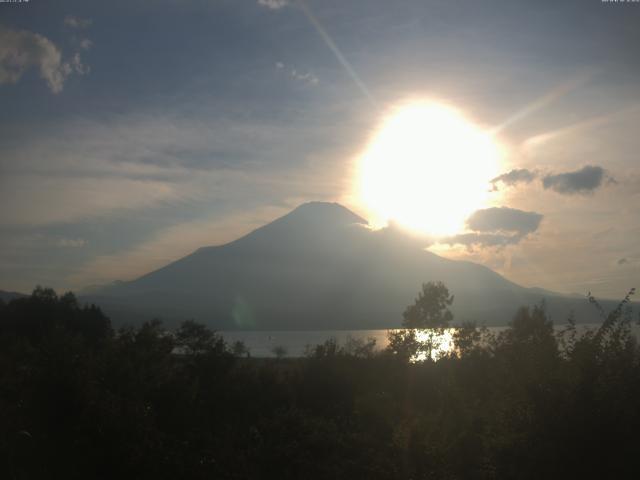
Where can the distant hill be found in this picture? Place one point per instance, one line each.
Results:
(8, 296)
(319, 267)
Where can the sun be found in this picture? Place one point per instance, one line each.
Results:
(427, 168)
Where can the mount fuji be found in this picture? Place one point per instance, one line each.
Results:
(320, 267)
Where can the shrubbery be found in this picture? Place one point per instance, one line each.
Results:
(78, 400)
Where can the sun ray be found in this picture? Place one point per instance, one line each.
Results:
(561, 90)
(550, 135)
(337, 52)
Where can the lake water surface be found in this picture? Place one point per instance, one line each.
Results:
(263, 343)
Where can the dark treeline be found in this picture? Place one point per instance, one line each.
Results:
(79, 400)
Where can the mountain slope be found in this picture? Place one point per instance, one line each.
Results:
(8, 296)
(319, 267)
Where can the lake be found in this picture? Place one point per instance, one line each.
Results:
(262, 343)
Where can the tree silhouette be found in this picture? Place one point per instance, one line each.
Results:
(431, 308)
(279, 351)
(197, 339)
(430, 312)
(149, 403)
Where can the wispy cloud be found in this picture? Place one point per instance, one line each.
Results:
(71, 242)
(90, 169)
(514, 177)
(39, 241)
(21, 50)
(85, 44)
(72, 21)
(32, 200)
(475, 239)
(273, 4)
(304, 77)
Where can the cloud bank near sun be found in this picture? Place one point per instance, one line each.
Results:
(582, 181)
(496, 227)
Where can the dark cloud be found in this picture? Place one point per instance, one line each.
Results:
(484, 239)
(497, 226)
(504, 219)
(519, 175)
(585, 180)
(628, 261)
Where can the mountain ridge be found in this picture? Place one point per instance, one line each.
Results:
(319, 267)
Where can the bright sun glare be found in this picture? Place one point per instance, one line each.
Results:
(427, 168)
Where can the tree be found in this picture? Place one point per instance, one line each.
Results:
(197, 339)
(38, 316)
(431, 308)
(430, 311)
(279, 351)
(403, 344)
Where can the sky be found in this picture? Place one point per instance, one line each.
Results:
(134, 132)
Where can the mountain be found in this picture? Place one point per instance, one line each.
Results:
(319, 267)
(8, 296)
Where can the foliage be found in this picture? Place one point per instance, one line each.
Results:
(196, 339)
(280, 351)
(430, 315)
(430, 309)
(78, 400)
(353, 347)
(44, 314)
(403, 343)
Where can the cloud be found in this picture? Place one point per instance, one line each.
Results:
(308, 77)
(75, 171)
(585, 180)
(504, 219)
(483, 239)
(35, 241)
(76, 65)
(628, 262)
(21, 50)
(497, 226)
(273, 4)
(304, 77)
(71, 242)
(77, 22)
(85, 44)
(514, 177)
(36, 200)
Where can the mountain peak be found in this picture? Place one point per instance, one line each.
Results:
(326, 213)
(312, 220)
